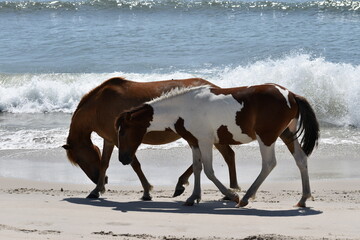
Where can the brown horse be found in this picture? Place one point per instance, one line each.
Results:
(97, 112)
(204, 116)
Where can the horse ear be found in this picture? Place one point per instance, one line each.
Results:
(66, 147)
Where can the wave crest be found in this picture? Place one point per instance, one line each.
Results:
(328, 5)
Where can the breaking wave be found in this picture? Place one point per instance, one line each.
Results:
(333, 89)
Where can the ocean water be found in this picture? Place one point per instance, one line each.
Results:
(53, 52)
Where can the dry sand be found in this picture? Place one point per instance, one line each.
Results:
(40, 210)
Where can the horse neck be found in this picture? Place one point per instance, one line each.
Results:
(79, 134)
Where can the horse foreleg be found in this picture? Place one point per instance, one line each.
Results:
(197, 167)
(135, 164)
(229, 157)
(207, 159)
(268, 164)
(104, 164)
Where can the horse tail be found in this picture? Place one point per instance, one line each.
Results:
(308, 126)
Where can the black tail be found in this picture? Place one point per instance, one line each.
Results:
(308, 125)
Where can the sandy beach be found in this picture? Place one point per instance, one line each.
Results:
(41, 210)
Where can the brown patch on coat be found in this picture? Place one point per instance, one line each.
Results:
(264, 113)
(245, 118)
(225, 137)
(181, 130)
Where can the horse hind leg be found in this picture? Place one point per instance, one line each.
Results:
(301, 161)
(268, 164)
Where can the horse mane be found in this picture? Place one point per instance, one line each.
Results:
(176, 92)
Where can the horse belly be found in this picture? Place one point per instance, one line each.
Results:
(228, 134)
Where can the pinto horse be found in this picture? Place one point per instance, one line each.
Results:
(204, 116)
(97, 112)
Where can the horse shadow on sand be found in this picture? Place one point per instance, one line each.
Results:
(206, 207)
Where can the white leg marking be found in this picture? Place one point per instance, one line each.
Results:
(207, 159)
(197, 167)
(301, 162)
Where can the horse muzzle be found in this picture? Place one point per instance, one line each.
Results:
(125, 158)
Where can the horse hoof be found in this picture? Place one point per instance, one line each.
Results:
(146, 198)
(236, 199)
(300, 205)
(242, 203)
(179, 191)
(93, 196)
(226, 198)
(188, 204)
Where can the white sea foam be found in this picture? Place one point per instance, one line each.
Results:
(333, 89)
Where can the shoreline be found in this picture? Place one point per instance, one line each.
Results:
(46, 210)
(163, 167)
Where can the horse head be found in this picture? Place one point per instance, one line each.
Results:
(131, 127)
(86, 156)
